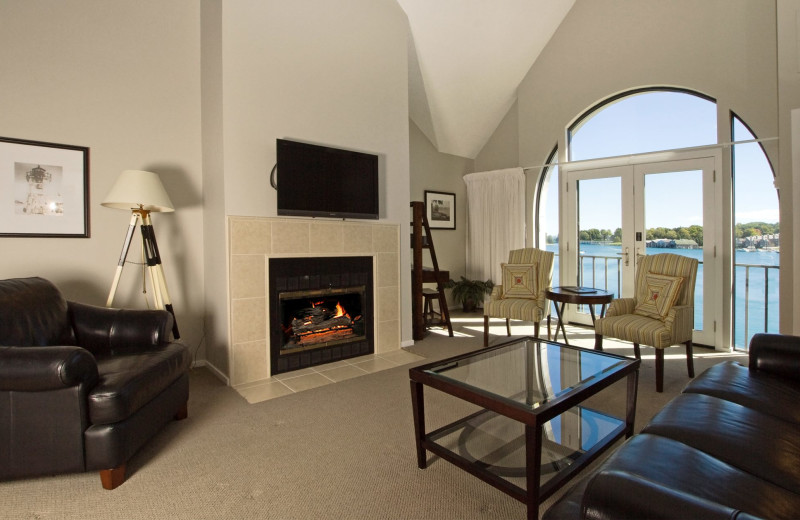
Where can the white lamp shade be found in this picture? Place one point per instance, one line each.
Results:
(136, 189)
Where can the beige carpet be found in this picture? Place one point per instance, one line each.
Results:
(344, 450)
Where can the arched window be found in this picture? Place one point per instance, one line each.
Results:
(644, 121)
(668, 119)
(756, 235)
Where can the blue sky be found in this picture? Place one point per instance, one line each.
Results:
(663, 121)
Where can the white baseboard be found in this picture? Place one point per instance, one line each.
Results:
(214, 370)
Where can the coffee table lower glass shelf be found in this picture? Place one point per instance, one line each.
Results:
(532, 432)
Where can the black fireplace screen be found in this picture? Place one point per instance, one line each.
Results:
(320, 311)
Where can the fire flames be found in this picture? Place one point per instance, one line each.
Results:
(321, 324)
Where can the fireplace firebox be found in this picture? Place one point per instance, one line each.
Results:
(320, 311)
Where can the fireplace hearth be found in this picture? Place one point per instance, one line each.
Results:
(320, 311)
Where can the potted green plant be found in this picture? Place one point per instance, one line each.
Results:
(469, 292)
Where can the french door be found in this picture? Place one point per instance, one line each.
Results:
(621, 209)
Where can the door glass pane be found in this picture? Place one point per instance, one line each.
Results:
(600, 234)
(673, 222)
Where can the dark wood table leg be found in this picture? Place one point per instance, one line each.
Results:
(418, 406)
(630, 415)
(533, 468)
(560, 324)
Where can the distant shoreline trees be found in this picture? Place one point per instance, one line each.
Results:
(695, 233)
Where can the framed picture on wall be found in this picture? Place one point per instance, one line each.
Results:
(44, 189)
(441, 209)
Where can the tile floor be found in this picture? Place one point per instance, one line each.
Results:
(307, 378)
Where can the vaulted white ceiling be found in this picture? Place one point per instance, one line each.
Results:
(466, 60)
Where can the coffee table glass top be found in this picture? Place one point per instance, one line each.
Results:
(529, 372)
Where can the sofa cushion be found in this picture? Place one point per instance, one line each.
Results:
(34, 313)
(757, 443)
(129, 381)
(762, 391)
(687, 470)
(645, 498)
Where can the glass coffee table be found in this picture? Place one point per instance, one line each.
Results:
(530, 430)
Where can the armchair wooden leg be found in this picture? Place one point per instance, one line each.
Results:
(508, 327)
(598, 341)
(486, 331)
(182, 413)
(548, 327)
(111, 478)
(536, 330)
(659, 370)
(689, 358)
(637, 353)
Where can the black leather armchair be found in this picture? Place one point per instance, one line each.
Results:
(81, 387)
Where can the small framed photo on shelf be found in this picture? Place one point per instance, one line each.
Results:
(44, 189)
(440, 209)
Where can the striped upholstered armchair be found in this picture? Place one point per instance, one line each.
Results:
(660, 315)
(521, 293)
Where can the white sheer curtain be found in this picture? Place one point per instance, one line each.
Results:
(495, 220)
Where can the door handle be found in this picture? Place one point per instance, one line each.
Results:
(627, 255)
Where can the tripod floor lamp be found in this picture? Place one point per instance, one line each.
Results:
(142, 193)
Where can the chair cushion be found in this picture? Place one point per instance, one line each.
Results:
(635, 328)
(129, 381)
(657, 294)
(514, 309)
(520, 281)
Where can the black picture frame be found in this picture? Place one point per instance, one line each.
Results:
(44, 189)
(440, 208)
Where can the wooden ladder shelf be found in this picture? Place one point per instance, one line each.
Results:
(421, 239)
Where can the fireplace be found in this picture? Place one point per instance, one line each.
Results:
(321, 311)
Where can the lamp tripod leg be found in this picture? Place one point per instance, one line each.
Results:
(121, 263)
(157, 271)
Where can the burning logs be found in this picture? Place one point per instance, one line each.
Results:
(318, 323)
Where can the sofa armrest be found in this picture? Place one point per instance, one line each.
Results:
(617, 494)
(776, 353)
(621, 306)
(105, 331)
(36, 369)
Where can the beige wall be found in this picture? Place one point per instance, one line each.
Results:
(122, 78)
(502, 148)
(433, 170)
(788, 21)
(317, 71)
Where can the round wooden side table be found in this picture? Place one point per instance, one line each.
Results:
(578, 295)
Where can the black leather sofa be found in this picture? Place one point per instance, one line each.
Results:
(727, 447)
(82, 388)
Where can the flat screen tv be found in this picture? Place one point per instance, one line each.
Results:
(320, 181)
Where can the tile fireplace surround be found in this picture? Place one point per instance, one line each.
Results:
(254, 240)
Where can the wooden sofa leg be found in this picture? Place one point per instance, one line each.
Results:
(536, 330)
(689, 358)
(637, 352)
(598, 341)
(659, 370)
(182, 413)
(486, 331)
(111, 478)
